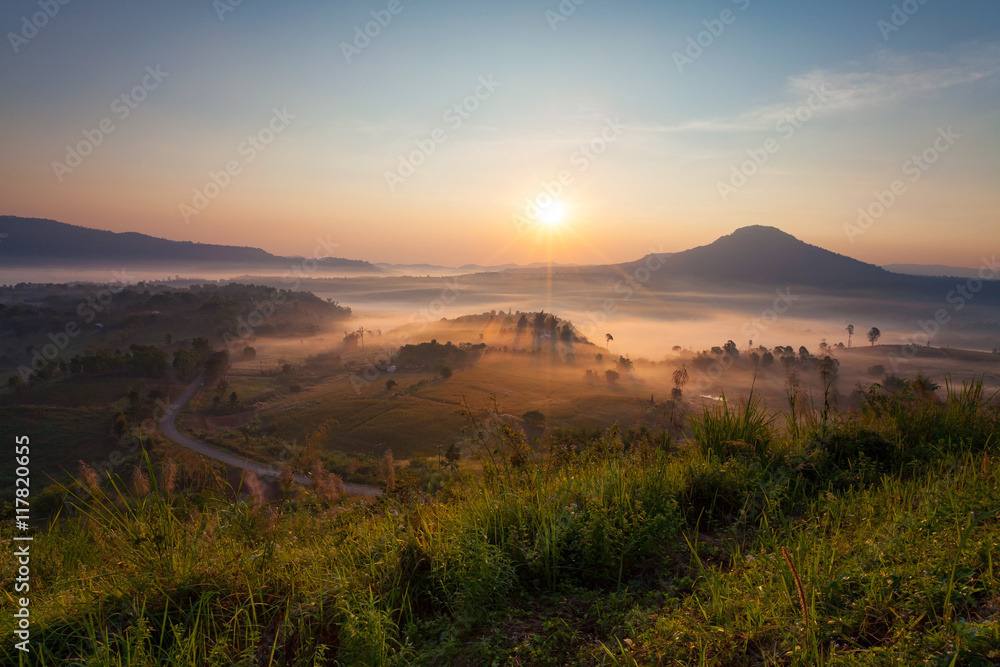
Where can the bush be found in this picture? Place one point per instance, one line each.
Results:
(726, 431)
(534, 418)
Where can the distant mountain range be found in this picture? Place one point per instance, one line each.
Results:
(752, 256)
(39, 242)
(938, 270)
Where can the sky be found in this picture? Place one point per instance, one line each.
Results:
(581, 131)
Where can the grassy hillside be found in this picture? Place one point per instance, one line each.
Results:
(866, 538)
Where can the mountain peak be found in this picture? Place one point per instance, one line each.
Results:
(764, 255)
(760, 232)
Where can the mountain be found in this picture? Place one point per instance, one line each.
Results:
(932, 270)
(39, 242)
(760, 255)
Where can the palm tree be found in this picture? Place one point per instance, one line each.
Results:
(850, 332)
(609, 338)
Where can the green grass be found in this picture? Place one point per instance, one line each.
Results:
(617, 552)
(58, 435)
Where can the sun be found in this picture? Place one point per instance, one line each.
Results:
(552, 213)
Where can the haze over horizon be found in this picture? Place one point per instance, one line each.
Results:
(669, 120)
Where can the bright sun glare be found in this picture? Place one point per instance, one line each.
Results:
(552, 214)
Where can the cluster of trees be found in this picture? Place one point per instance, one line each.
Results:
(762, 358)
(146, 361)
(438, 357)
(200, 355)
(139, 361)
(118, 315)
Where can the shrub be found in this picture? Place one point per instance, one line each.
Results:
(534, 418)
(726, 431)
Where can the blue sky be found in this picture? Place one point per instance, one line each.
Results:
(661, 182)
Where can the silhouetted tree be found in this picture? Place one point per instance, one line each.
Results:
(452, 456)
(873, 335)
(828, 367)
(608, 338)
(680, 378)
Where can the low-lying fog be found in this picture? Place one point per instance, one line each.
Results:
(649, 323)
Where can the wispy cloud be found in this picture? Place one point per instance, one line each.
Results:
(883, 80)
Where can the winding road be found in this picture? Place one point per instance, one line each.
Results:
(169, 426)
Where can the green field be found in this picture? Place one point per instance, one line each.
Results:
(865, 538)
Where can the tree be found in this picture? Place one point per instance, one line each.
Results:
(186, 361)
(446, 372)
(680, 378)
(873, 335)
(233, 399)
(452, 456)
(216, 365)
(850, 332)
(608, 338)
(611, 376)
(534, 418)
(828, 368)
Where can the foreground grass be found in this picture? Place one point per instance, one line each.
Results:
(848, 539)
